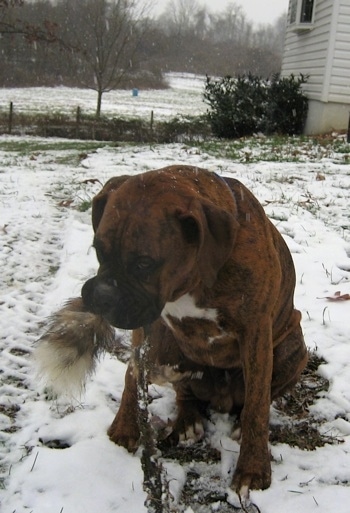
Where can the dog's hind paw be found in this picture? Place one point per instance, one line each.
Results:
(192, 434)
(188, 429)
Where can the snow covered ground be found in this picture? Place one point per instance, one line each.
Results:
(56, 456)
(163, 103)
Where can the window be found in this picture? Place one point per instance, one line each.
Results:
(301, 14)
(307, 11)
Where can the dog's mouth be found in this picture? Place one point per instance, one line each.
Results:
(121, 307)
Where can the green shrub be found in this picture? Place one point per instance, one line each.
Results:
(287, 106)
(248, 104)
(237, 105)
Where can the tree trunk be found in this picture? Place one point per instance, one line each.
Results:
(99, 103)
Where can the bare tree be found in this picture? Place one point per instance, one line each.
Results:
(104, 44)
(107, 34)
(230, 24)
(29, 44)
(12, 23)
(5, 5)
(181, 12)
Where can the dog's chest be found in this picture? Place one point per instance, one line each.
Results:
(199, 334)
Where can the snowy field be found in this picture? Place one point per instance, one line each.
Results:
(184, 96)
(55, 455)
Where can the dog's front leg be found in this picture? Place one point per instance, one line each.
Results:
(125, 429)
(253, 469)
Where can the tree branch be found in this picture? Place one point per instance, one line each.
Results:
(152, 470)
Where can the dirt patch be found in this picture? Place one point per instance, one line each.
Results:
(298, 428)
(296, 403)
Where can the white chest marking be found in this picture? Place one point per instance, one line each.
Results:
(186, 307)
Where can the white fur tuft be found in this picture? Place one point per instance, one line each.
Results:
(66, 354)
(62, 377)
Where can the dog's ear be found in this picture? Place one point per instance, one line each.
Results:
(214, 231)
(100, 200)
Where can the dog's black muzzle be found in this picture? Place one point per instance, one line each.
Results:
(120, 306)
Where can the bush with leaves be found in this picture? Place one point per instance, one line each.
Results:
(287, 105)
(248, 104)
(237, 105)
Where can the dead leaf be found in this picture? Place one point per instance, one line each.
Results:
(91, 180)
(65, 203)
(338, 296)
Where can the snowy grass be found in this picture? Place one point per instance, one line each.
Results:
(184, 96)
(55, 455)
(281, 149)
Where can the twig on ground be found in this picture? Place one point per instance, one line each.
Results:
(152, 482)
(36, 457)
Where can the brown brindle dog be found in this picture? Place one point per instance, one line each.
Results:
(193, 256)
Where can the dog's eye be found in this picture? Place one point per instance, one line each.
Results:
(143, 266)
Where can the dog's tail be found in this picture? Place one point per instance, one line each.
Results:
(67, 352)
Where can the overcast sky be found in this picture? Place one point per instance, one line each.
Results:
(259, 11)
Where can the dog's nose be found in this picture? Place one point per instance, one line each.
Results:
(103, 298)
(99, 296)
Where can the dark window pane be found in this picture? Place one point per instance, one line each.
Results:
(306, 11)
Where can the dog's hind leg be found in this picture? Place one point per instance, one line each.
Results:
(188, 426)
(289, 359)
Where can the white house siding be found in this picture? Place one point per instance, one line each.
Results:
(323, 53)
(306, 51)
(339, 88)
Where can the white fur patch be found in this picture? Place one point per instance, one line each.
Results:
(212, 340)
(67, 353)
(61, 378)
(186, 307)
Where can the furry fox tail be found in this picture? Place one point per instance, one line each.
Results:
(67, 352)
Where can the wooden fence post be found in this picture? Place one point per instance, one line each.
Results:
(77, 125)
(11, 117)
(151, 127)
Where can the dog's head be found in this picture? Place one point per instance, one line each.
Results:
(155, 240)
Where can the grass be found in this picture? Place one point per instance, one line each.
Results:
(84, 205)
(246, 150)
(26, 146)
(278, 149)
(194, 131)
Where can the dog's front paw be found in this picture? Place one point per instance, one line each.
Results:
(247, 477)
(125, 435)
